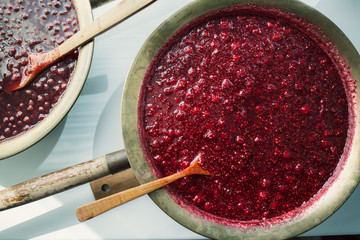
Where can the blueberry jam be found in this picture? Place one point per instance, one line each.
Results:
(32, 26)
(260, 97)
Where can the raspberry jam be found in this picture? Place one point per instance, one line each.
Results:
(257, 94)
(32, 26)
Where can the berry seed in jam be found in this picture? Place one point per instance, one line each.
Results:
(32, 26)
(260, 97)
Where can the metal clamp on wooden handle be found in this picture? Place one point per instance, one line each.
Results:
(61, 180)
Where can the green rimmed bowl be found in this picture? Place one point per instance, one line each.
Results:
(324, 204)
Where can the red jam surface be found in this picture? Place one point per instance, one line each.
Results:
(32, 26)
(263, 101)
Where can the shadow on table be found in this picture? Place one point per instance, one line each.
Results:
(98, 3)
(22, 166)
(95, 85)
(109, 139)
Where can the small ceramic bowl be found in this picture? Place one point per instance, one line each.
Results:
(42, 128)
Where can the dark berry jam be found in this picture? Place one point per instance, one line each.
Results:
(260, 97)
(32, 26)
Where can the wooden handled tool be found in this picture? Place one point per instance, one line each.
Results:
(62, 180)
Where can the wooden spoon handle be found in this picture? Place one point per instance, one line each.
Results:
(121, 11)
(100, 206)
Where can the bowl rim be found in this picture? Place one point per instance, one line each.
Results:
(27, 139)
(347, 177)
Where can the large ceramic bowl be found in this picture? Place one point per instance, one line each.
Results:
(42, 128)
(331, 197)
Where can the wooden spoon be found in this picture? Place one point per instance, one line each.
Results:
(39, 61)
(100, 206)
